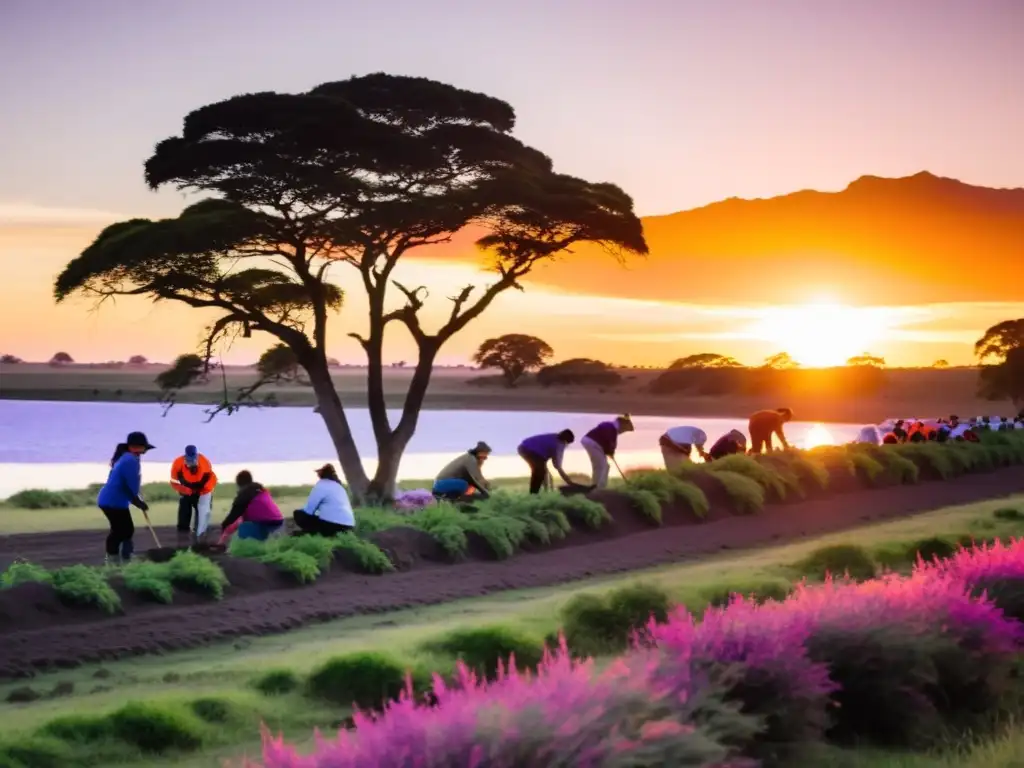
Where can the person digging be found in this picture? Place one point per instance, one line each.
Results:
(538, 450)
(122, 491)
(462, 479)
(193, 478)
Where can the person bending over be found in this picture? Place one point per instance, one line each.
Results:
(538, 450)
(193, 478)
(678, 443)
(463, 476)
(328, 510)
(600, 444)
(253, 512)
(122, 491)
(728, 444)
(763, 425)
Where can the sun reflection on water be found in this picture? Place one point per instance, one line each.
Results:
(818, 435)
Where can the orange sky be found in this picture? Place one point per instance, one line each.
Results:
(608, 327)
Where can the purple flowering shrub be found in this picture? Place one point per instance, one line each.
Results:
(894, 661)
(407, 502)
(567, 714)
(995, 570)
(756, 653)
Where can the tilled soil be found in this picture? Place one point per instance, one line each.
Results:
(38, 632)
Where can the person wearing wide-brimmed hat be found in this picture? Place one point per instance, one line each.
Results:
(328, 510)
(463, 476)
(122, 491)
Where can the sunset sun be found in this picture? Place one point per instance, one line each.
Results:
(822, 334)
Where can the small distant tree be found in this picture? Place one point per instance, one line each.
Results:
(514, 354)
(10, 360)
(704, 360)
(941, 363)
(866, 359)
(998, 340)
(332, 362)
(61, 358)
(780, 361)
(138, 360)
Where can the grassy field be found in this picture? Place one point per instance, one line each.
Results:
(226, 672)
(905, 392)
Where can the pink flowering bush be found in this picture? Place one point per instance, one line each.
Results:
(757, 653)
(567, 714)
(995, 570)
(407, 502)
(894, 661)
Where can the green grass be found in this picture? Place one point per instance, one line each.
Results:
(421, 639)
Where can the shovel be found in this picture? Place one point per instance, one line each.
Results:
(617, 467)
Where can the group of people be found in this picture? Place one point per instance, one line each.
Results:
(897, 431)
(253, 514)
(463, 477)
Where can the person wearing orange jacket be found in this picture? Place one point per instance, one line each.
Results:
(193, 478)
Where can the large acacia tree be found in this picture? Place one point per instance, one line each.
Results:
(356, 173)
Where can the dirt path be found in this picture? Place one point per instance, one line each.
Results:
(338, 594)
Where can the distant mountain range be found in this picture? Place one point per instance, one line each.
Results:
(915, 239)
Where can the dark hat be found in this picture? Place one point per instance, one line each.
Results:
(481, 447)
(191, 454)
(138, 439)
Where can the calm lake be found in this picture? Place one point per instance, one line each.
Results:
(59, 445)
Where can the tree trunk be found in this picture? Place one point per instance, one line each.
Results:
(391, 449)
(333, 414)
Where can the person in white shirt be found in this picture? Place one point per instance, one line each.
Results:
(678, 443)
(328, 510)
(869, 434)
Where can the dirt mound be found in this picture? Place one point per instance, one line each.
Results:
(260, 602)
(407, 547)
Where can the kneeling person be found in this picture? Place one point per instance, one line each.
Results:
(538, 450)
(677, 445)
(255, 511)
(463, 476)
(328, 510)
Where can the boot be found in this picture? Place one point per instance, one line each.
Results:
(127, 547)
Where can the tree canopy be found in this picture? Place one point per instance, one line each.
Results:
(1005, 380)
(705, 360)
(867, 359)
(998, 340)
(357, 173)
(781, 361)
(61, 358)
(514, 354)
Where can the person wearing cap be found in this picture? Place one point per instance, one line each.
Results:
(121, 492)
(193, 478)
(678, 443)
(463, 476)
(600, 444)
(254, 514)
(328, 510)
(732, 442)
(538, 450)
(763, 425)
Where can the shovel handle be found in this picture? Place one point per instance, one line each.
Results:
(152, 530)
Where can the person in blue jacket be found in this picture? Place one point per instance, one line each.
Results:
(119, 493)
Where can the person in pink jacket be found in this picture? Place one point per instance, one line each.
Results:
(254, 513)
